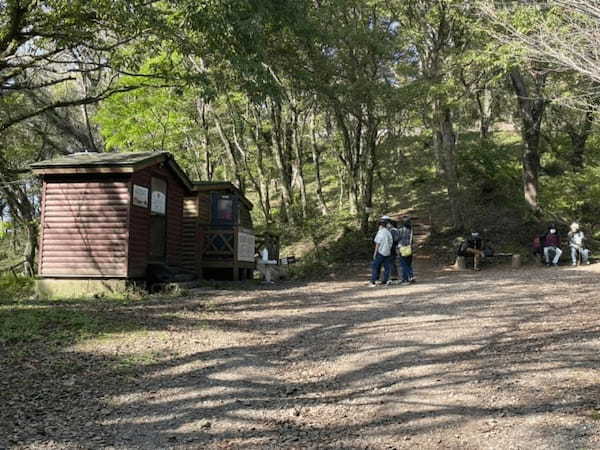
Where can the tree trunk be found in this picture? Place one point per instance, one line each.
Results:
(232, 153)
(316, 156)
(484, 105)
(23, 213)
(579, 137)
(298, 148)
(207, 168)
(368, 170)
(281, 149)
(531, 110)
(445, 147)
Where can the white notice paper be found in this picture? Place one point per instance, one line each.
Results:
(246, 244)
(159, 202)
(140, 196)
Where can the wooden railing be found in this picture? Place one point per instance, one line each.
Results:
(13, 268)
(219, 243)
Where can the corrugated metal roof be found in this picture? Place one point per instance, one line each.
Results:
(220, 185)
(99, 160)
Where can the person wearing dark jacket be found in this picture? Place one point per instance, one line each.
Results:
(405, 248)
(472, 246)
(551, 243)
(392, 226)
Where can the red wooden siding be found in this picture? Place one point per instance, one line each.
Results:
(84, 231)
(196, 215)
(140, 221)
(190, 253)
(245, 216)
(204, 208)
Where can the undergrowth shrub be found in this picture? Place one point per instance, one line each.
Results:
(347, 246)
(13, 288)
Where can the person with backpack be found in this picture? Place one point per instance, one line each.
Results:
(405, 249)
(551, 244)
(392, 226)
(576, 243)
(472, 246)
(382, 254)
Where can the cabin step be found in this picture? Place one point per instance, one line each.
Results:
(159, 273)
(176, 286)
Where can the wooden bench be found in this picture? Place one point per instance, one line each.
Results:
(461, 261)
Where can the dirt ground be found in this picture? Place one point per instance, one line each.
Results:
(499, 359)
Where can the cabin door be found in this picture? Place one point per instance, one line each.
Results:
(158, 231)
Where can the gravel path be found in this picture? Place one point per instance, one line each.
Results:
(500, 359)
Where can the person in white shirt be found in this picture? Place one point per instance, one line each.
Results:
(382, 254)
(576, 243)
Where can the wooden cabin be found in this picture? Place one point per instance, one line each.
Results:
(110, 215)
(219, 239)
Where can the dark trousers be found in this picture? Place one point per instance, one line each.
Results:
(395, 273)
(380, 260)
(406, 264)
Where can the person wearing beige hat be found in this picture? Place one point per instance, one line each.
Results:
(576, 244)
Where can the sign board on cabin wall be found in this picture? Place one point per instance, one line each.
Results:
(140, 196)
(246, 245)
(158, 204)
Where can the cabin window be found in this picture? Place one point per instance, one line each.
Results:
(223, 209)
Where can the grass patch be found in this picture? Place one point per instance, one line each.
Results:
(14, 288)
(595, 415)
(55, 324)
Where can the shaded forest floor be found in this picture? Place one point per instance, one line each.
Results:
(501, 358)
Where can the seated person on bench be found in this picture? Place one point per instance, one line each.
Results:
(551, 244)
(472, 246)
(576, 243)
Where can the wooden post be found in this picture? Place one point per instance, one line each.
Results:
(516, 261)
(236, 270)
(461, 263)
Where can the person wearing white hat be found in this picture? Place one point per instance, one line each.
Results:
(576, 243)
(382, 254)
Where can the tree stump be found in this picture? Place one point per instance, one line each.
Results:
(516, 261)
(460, 263)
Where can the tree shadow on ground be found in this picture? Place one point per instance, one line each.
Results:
(331, 364)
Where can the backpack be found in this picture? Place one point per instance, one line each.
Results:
(395, 236)
(461, 250)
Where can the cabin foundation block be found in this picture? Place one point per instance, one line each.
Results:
(81, 288)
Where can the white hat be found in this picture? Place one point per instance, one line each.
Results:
(385, 218)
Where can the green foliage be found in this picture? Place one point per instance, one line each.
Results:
(152, 117)
(345, 247)
(15, 288)
(4, 227)
(573, 196)
(53, 325)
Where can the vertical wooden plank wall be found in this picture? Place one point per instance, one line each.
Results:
(191, 245)
(84, 230)
(139, 225)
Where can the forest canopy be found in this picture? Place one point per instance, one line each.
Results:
(479, 114)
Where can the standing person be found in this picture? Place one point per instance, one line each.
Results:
(552, 244)
(405, 248)
(392, 226)
(576, 241)
(382, 254)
